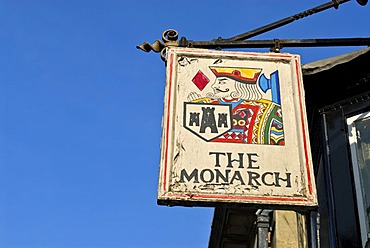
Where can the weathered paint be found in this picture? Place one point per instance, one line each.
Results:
(234, 130)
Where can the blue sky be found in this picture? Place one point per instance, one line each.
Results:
(81, 112)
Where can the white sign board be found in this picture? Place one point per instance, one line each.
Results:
(235, 130)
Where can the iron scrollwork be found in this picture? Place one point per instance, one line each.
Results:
(169, 38)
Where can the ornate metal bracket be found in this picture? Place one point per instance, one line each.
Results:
(169, 37)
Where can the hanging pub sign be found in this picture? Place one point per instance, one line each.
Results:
(235, 130)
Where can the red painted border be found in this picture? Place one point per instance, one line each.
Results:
(168, 121)
(303, 127)
(203, 196)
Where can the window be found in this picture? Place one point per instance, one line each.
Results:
(359, 139)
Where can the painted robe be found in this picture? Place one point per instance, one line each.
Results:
(253, 122)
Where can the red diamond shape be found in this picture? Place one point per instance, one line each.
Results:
(200, 80)
(242, 114)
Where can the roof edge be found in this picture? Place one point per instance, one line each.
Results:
(326, 64)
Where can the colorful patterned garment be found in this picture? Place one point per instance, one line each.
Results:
(254, 122)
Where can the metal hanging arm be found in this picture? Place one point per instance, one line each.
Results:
(275, 43)
(169, 37)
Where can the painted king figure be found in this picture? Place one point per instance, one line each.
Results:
(255, 105)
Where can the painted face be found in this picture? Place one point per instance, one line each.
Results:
(223, 87)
